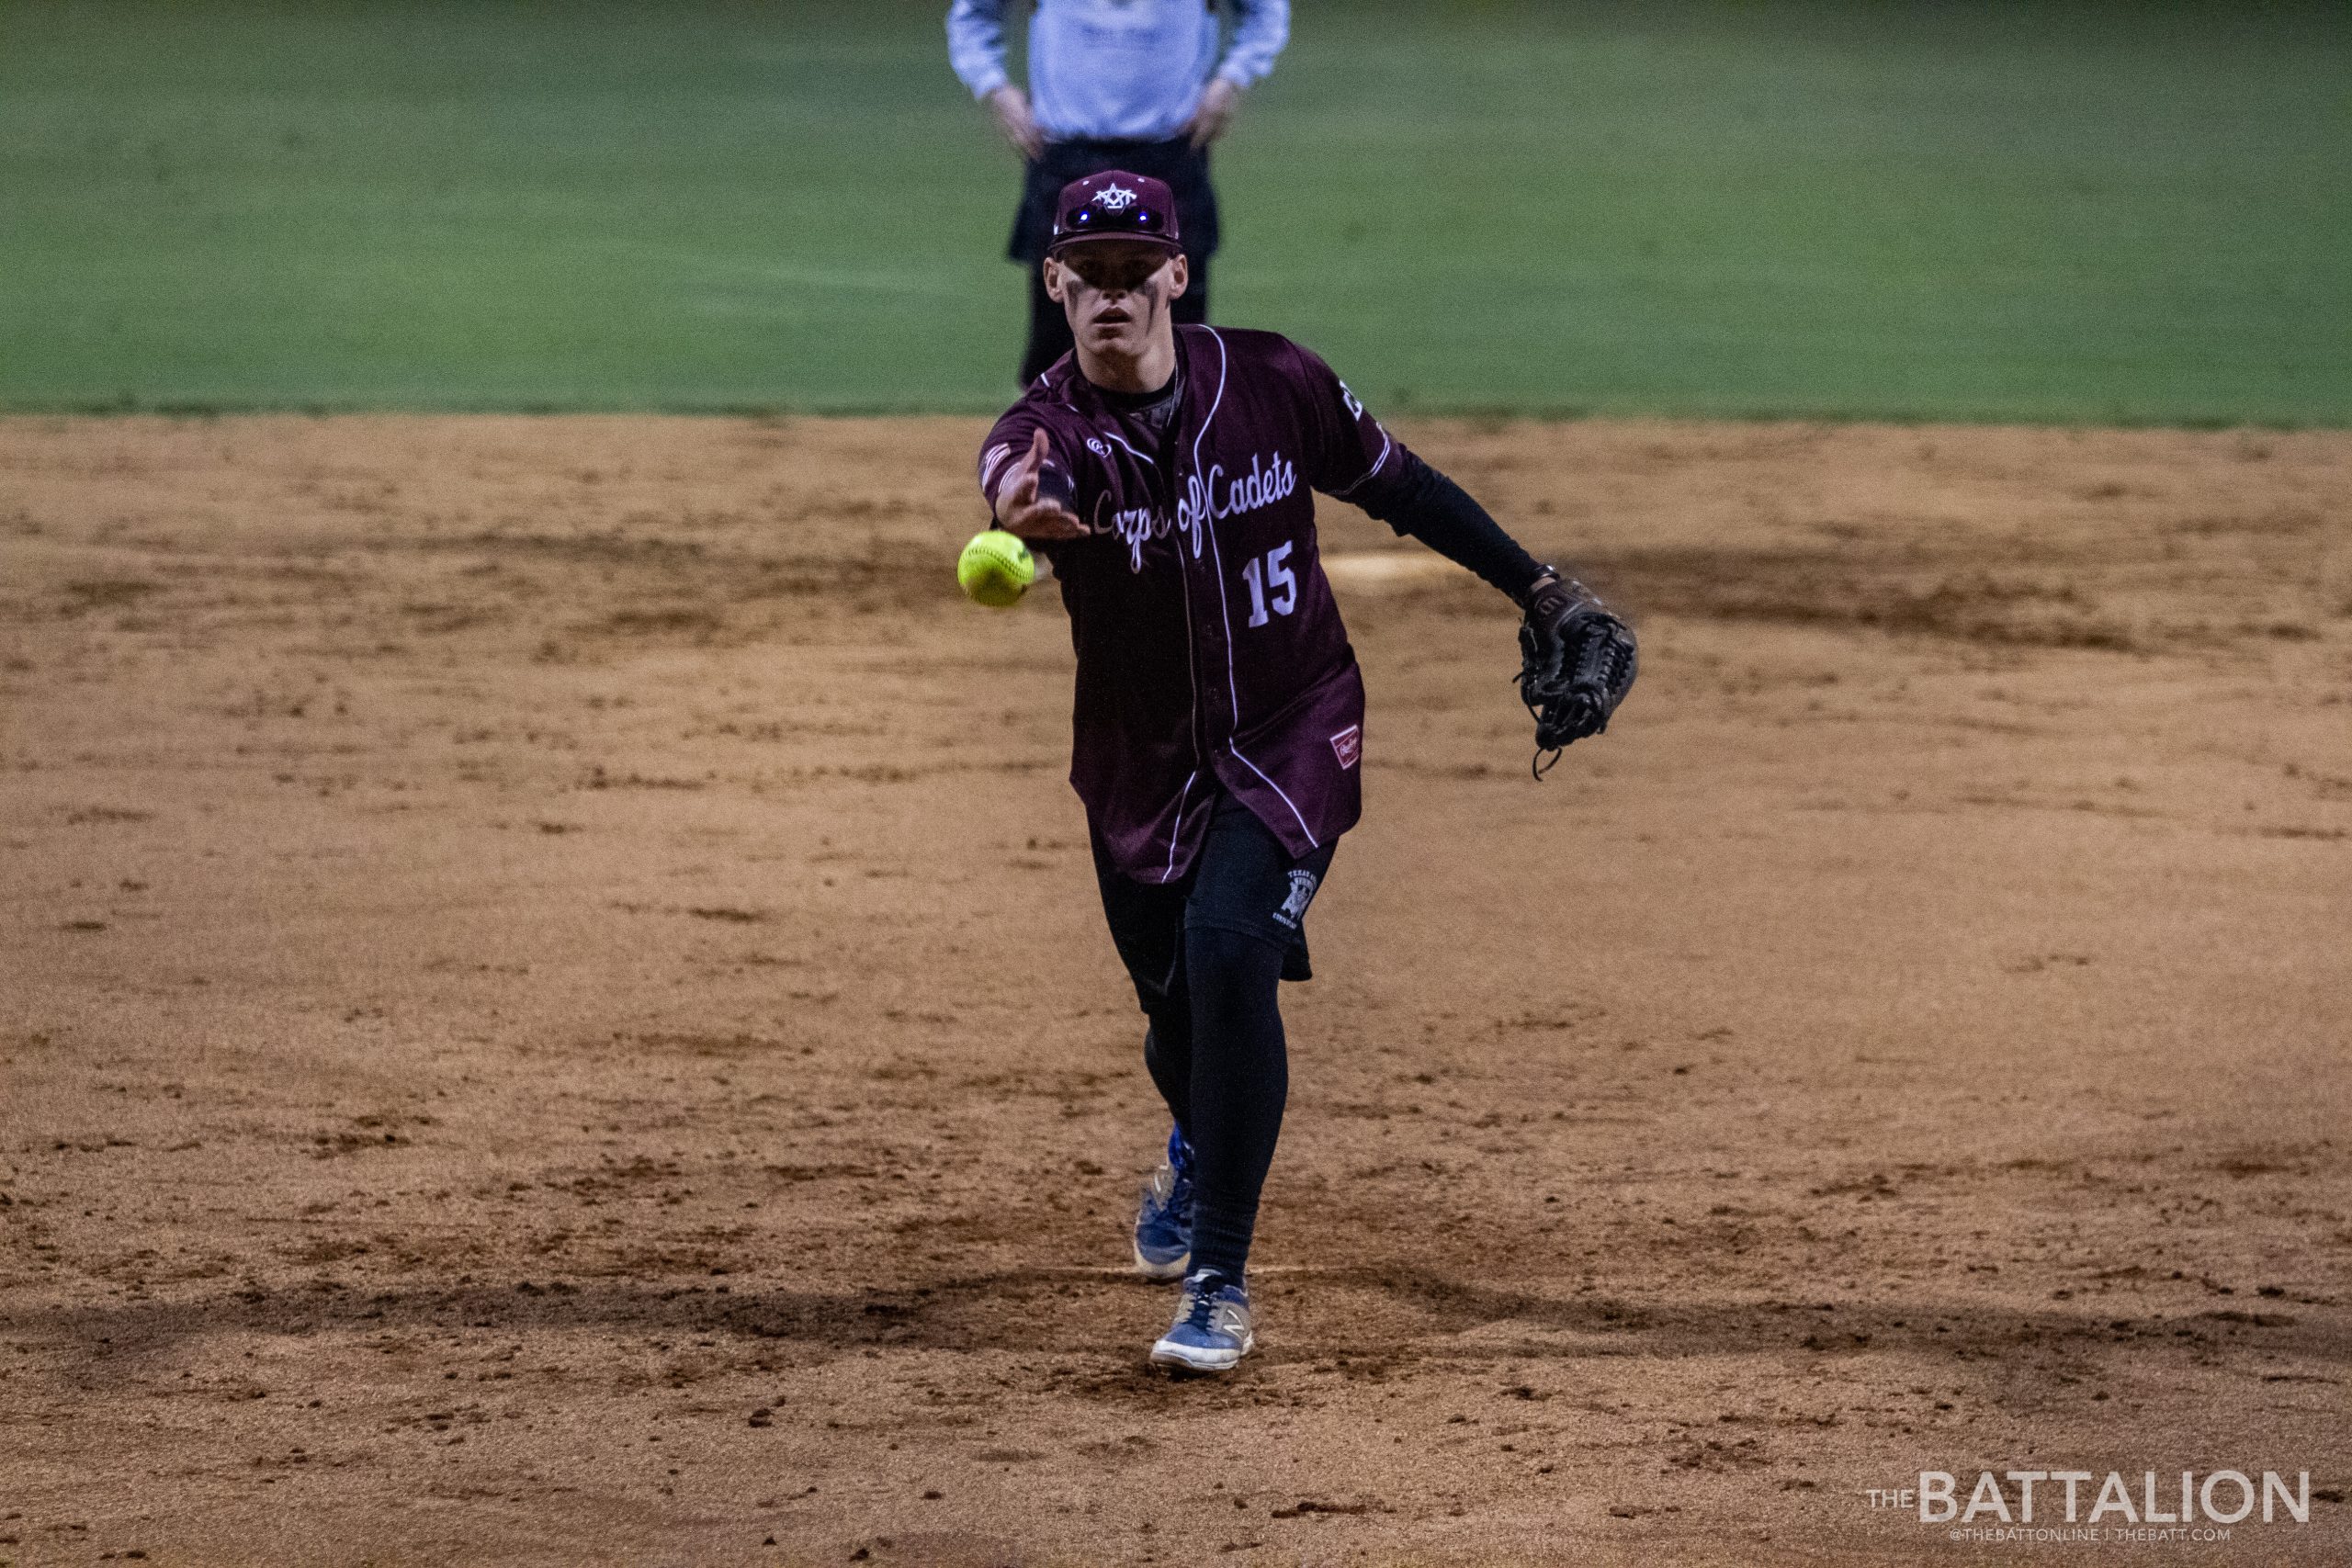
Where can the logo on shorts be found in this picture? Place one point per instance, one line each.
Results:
(1302, 893)
(1348, 745)
(992, 458)
(1114, 198)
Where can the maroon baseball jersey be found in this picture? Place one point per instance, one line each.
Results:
(1209, 647)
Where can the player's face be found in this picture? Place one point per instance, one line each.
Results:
(1117, 293)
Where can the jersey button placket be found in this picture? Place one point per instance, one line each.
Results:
(1211, 659)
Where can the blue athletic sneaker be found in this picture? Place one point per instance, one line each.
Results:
(1164, 1221)
(1212, 1330)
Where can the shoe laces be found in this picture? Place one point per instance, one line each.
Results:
(1176, 1192)
(1201, 1293)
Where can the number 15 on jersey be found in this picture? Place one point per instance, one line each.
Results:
(1271, 573)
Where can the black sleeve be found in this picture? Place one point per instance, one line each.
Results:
(1421, 503)
(1054, 484)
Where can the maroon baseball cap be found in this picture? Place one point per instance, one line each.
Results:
(1115, 205)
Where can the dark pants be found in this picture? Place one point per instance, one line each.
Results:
(1182, 166)
(1206, 955)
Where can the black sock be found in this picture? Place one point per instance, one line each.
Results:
(1167, 1055)
(1240, 1077)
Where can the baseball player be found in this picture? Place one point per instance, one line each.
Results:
(1167, 473)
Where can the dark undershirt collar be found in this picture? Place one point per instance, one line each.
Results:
(1153, 406)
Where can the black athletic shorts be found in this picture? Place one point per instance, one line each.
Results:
(1242, 881)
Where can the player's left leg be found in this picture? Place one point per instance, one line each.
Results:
(1241, 931)
(1241, 1085)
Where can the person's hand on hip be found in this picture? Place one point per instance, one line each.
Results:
(1013, 118)
(1219, 101)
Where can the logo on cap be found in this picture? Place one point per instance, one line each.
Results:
(1115, 204)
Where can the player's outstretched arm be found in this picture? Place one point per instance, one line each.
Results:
(1029, 505)
(1576, 659)
(1421, 503)
(1350, 457)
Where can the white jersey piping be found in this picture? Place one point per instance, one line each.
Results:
(1176, 833)
(1225, 610)
(1385, 443)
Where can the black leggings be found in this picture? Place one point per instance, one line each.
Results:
(1207, 955)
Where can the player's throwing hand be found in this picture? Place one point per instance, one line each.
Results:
(1021, 509)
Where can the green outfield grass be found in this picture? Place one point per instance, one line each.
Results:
(2000, 211)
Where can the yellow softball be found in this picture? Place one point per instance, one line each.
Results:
(996, 569)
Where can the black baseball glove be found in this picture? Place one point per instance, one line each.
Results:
(1575, 664)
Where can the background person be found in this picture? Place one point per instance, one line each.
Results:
(1135, 85)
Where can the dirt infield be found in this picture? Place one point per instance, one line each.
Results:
(554, 1011)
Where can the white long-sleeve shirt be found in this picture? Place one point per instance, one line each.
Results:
(1117, 70)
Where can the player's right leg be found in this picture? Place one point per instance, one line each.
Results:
(1163, 1231)
(1146, 926)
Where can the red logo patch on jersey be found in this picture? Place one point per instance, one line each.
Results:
(1348, 745)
